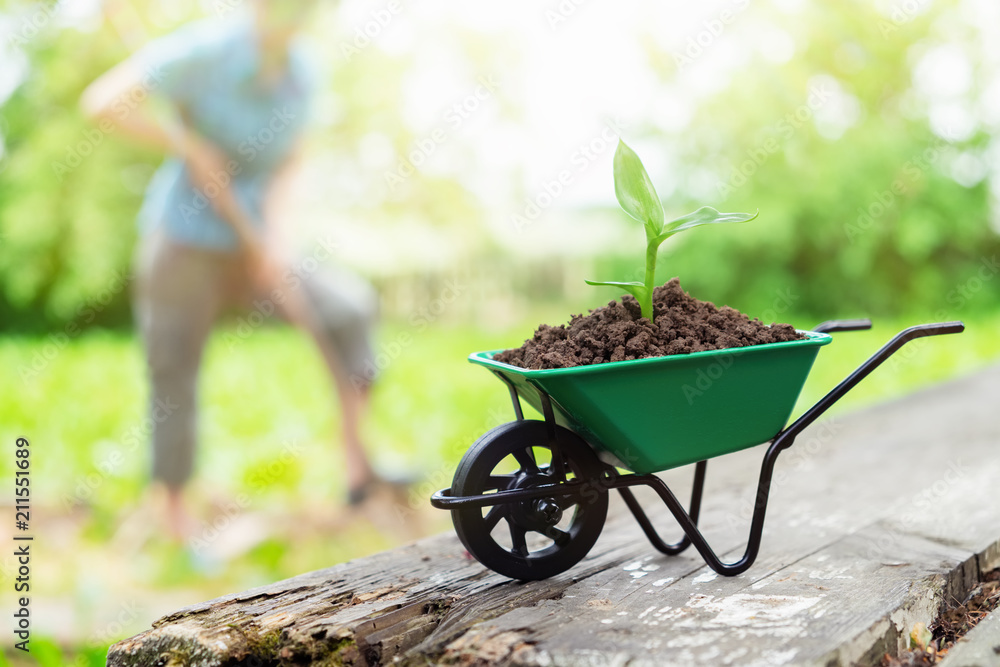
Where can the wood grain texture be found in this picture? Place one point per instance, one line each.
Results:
(874, 519)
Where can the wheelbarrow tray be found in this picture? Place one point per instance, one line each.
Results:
(650, 415)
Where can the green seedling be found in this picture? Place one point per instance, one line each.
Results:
(638, 198)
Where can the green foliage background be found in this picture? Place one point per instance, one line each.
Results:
(66, 225)
(67, 232)
(816, 195)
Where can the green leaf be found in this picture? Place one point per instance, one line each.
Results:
(612, 283)
(706, 215)
(632, 287)
(635, 192)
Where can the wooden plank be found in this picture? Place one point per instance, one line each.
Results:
(874, 518)
(979, 648)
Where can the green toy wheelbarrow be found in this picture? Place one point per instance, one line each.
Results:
(548, 481)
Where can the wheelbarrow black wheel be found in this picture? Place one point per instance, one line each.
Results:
(538, 538)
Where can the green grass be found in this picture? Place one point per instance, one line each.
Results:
(269, 451)
(269, 455)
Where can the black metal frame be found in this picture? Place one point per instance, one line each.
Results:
(688, 519)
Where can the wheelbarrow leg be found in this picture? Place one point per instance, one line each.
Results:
(689, 522)
(515, 401)
(693, 511)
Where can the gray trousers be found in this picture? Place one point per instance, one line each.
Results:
(179, 292)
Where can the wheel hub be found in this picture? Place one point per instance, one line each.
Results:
(583, 509)
(539, 513)
(548, 511)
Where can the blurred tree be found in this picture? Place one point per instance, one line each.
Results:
(817, 123)
(861, 208)
(68, 191)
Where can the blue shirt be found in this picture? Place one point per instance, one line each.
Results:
(209, 72)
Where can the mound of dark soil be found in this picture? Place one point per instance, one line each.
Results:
(617, 332)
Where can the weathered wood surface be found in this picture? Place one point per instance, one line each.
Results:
(874, 519)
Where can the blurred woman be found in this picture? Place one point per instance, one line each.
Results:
(226, 100)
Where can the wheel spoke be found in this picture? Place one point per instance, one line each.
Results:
(499, 482)
(557, 535)
(526, 458)
(550, 465)
(493, 517)
(517, 538)
(565, 502)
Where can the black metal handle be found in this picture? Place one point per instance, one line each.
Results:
(783, 441)
(862, 371)
(935, 329)
(831, 326)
